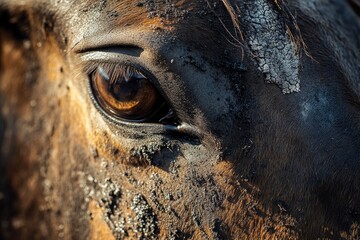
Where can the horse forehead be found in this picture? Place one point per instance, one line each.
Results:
(182, 21)
(144, 15)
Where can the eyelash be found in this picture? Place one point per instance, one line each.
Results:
(110, 66)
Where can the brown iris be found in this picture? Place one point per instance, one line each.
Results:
(125, 92)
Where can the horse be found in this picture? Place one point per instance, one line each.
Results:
(179, 119)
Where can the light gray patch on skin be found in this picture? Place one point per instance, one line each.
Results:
(109, 196)
(141, 220)
(145, 218)
(146, 153)
(316, 111)
(305, 110)
(271, 45)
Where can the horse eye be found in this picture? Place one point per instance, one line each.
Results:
(126, 93)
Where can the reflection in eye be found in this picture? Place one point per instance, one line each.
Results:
(125, 93)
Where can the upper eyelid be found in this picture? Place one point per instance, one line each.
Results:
(119, 53)
(107, 56)
(129, 50)
(114, 55)
(114, 39)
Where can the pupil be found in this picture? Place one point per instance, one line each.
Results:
(125, 91)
